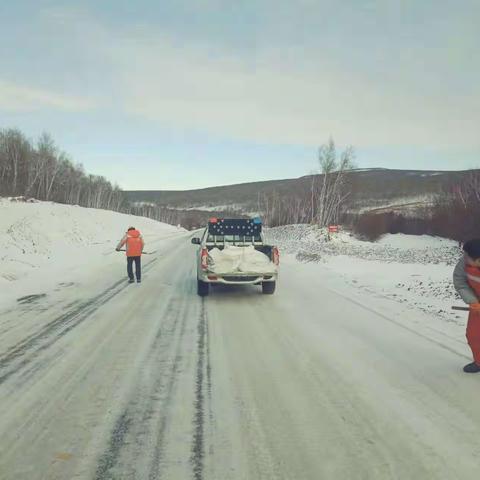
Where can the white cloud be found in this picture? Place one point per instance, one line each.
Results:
(271, 101)
(15, 98)
(288, 94)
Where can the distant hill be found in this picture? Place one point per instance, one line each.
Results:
(370, 189)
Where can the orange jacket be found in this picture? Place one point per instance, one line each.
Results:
(473, 325)
(134, 243)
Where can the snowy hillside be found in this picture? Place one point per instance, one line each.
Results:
(42, 243)
(378, 189)
(413, 270)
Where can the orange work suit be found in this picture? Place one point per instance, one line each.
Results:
(473, 325)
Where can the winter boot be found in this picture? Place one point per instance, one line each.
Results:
(471, 368)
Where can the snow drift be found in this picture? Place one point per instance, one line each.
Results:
(41, 243)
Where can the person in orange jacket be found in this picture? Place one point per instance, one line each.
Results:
(466, 279)
(134, 243)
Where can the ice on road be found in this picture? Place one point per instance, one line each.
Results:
(320, 381)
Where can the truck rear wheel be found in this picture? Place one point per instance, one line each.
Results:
(268, 287)
(203, 288)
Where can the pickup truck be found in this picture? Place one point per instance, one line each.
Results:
(238, 240)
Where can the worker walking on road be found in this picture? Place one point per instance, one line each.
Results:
(466, 279)
(134, 245)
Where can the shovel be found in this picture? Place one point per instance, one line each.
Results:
(143, 253)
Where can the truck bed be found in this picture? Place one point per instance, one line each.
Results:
(266, 249)
(241, 260)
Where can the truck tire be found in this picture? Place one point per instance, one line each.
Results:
(268, 288)
(203, 288)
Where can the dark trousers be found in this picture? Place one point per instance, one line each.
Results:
(138, 268)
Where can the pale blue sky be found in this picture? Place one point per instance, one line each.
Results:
(184, 94)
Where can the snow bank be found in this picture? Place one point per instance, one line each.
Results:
(427, 287)
(41, 241)
(239, 259)
(417, 242)
(308, 242)
(413, 270)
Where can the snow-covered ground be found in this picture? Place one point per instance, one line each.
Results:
(407, 205)
(43, 244)
(216, 208)
(102, 379)
(413, 270)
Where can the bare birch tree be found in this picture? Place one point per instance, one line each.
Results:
(332, 191)
(469, 189)
(15, 151)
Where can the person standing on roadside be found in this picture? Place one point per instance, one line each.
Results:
(466, 279)
(134, 245)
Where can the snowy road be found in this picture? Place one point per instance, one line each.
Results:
(106, 380)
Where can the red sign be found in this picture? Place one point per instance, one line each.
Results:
(333, 228)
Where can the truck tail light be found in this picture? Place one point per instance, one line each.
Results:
(276, 256)
(204, 258)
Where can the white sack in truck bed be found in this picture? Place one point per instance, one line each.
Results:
(239, 259)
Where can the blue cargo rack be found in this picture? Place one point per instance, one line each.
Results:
(244, 227)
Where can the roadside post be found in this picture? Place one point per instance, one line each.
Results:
(332, 229)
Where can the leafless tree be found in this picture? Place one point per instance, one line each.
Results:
(332, 192)
(42, 171)
(323, 198)
(468, 190)
(15, 151)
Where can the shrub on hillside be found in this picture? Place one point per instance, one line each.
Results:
(456, 221)
(451, 219)
(371, 226)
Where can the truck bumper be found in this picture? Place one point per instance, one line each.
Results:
(236, 279)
